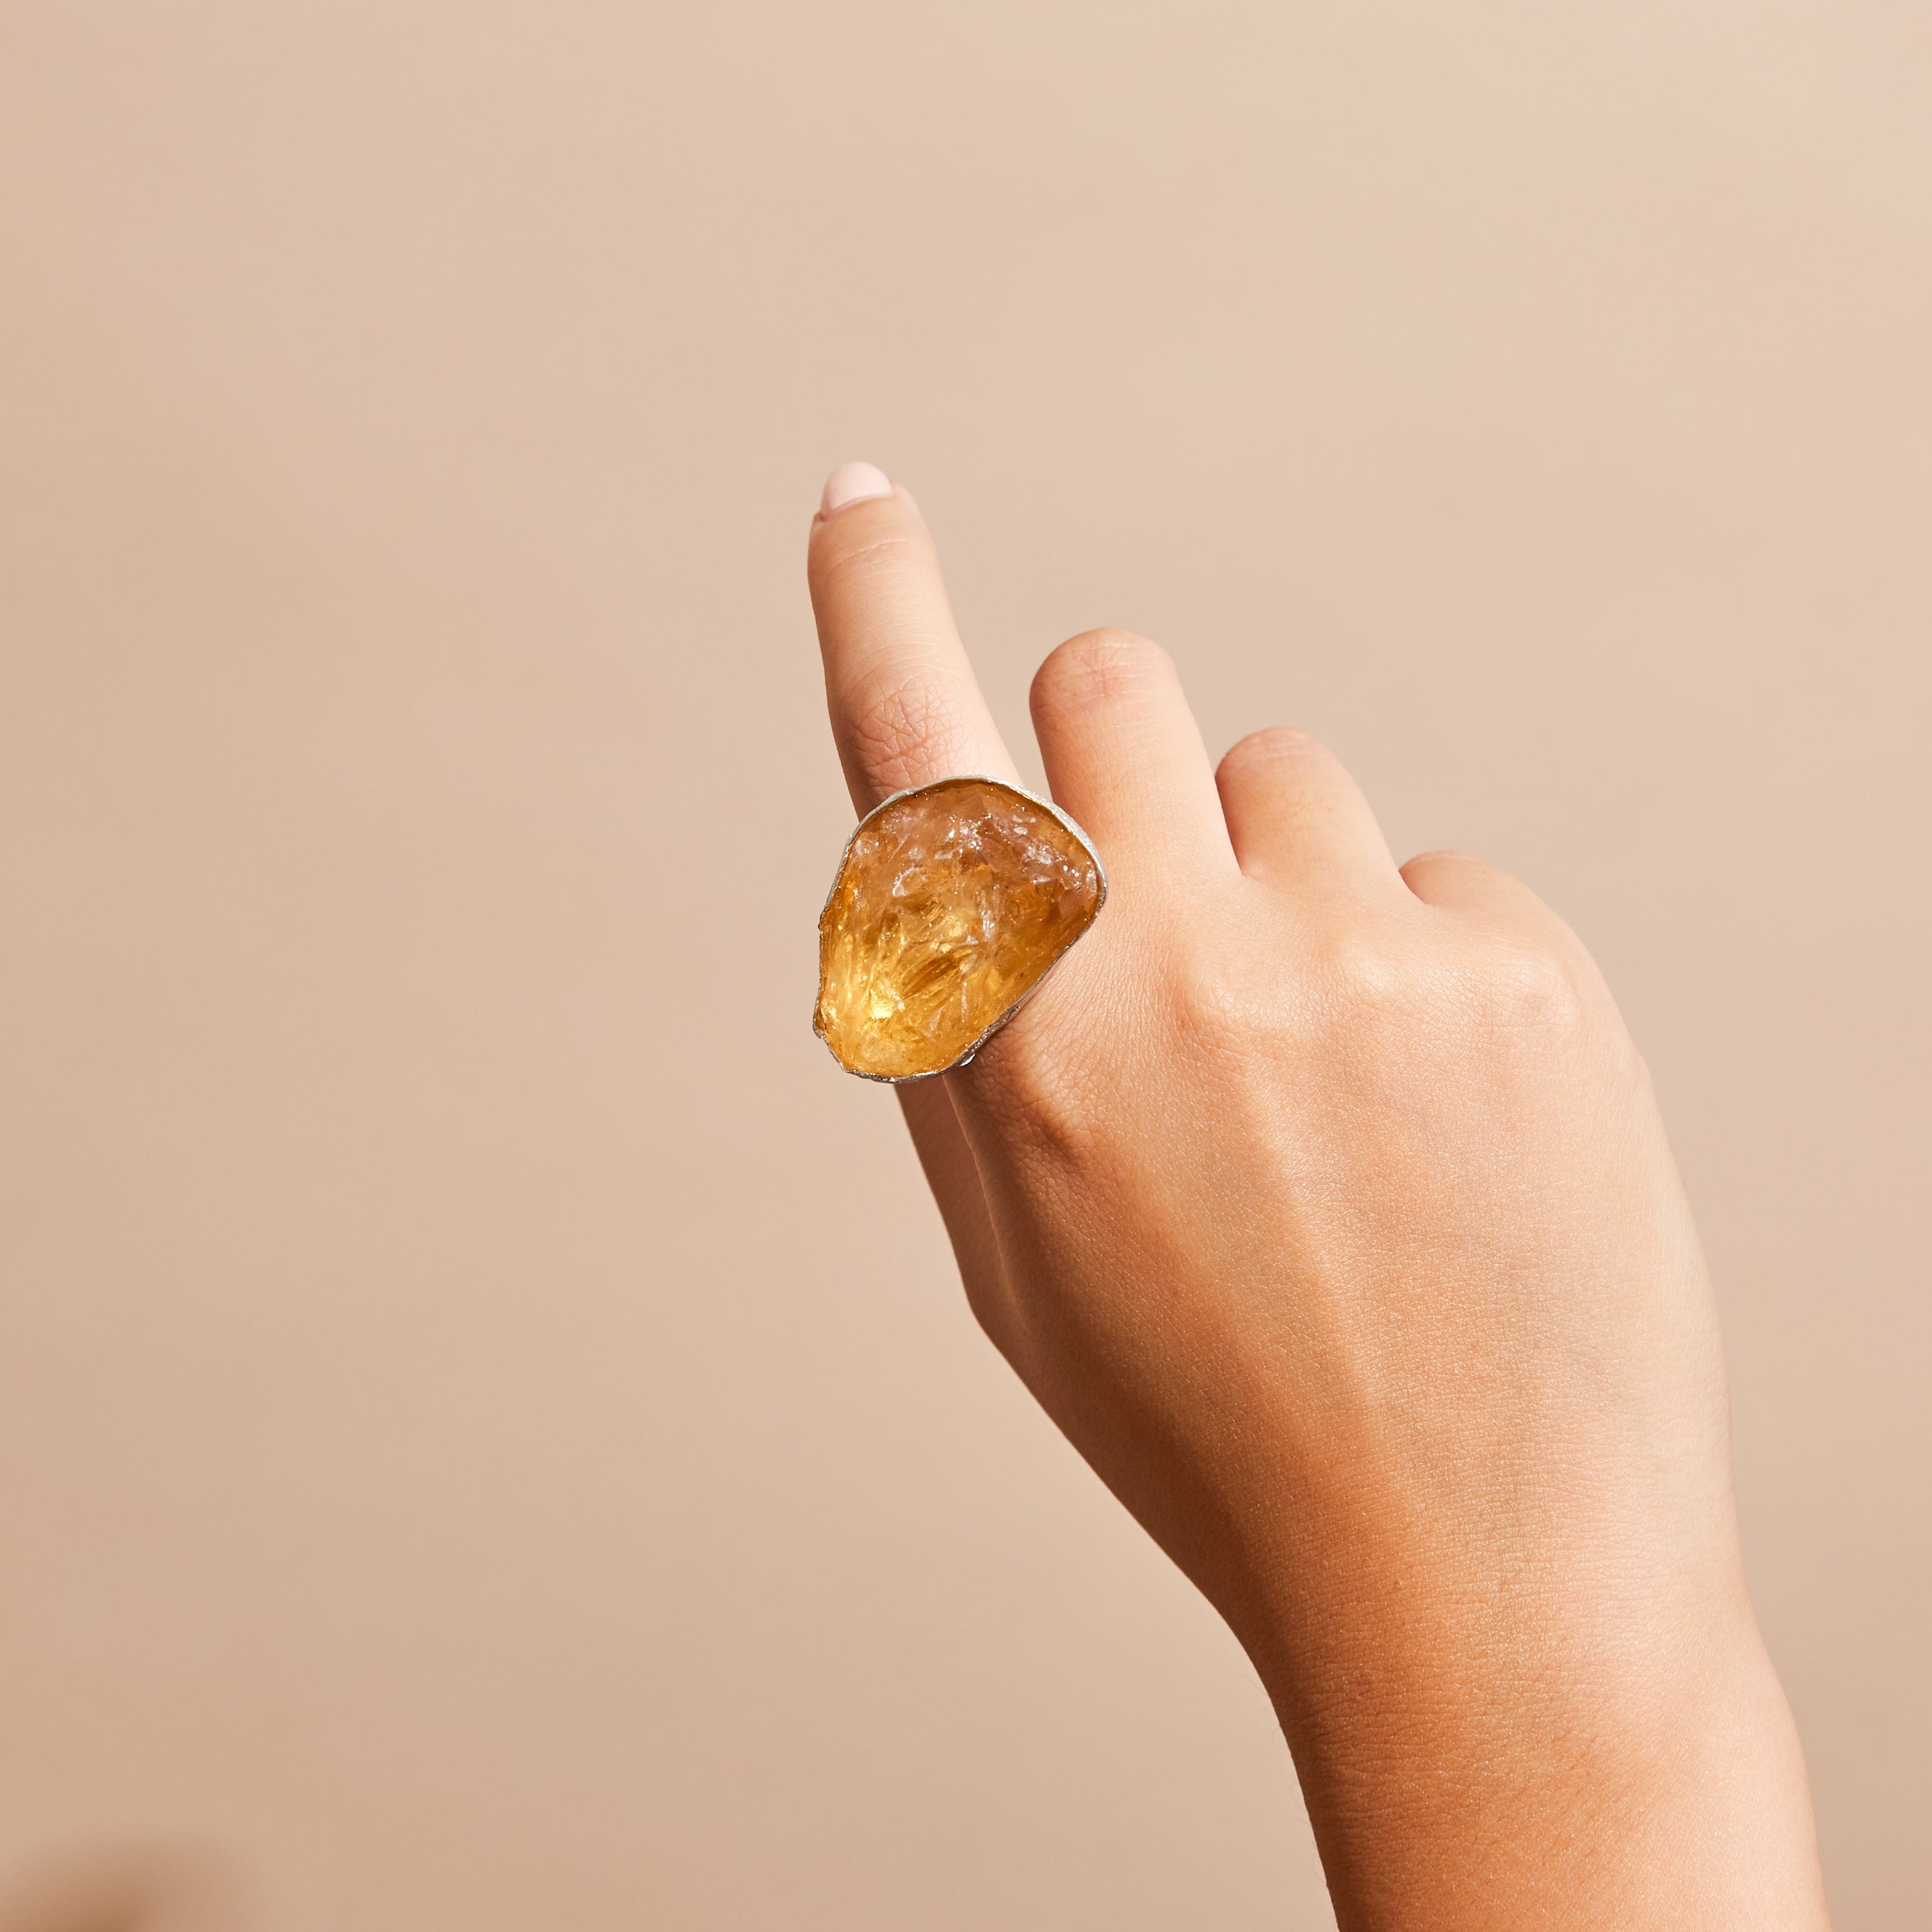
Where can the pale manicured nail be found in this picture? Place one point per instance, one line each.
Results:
(854, 483)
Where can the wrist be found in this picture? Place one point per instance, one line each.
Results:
(1462, 1770)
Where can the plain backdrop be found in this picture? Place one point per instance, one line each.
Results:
(489, 1436)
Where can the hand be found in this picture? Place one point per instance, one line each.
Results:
(1324, 1206)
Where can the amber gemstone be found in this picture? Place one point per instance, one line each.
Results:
(950, 904)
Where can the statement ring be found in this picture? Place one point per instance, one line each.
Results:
(952, 903)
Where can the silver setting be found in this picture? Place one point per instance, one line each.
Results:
(838, 872)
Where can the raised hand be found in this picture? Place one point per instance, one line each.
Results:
(1324, 1204)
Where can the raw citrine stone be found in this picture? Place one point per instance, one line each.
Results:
(952, 903)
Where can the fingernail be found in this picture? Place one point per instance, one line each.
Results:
(854, 483)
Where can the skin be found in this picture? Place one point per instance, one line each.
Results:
(1325, 1205)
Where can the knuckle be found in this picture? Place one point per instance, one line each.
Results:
(1506, 992)
(1097, 668)
(1437, 868)
(1274, 745)
(1238, 1014)
(1356, 969)
(905, 733)
(1229, 1030)
(1040, 1078)
(1038, 1100)
(1527, 991)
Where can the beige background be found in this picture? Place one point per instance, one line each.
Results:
(489, 1436)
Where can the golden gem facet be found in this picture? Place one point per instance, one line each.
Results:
(952, 903)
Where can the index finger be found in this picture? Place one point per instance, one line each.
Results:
(905, 707)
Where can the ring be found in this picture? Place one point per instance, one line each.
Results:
(952, 903)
